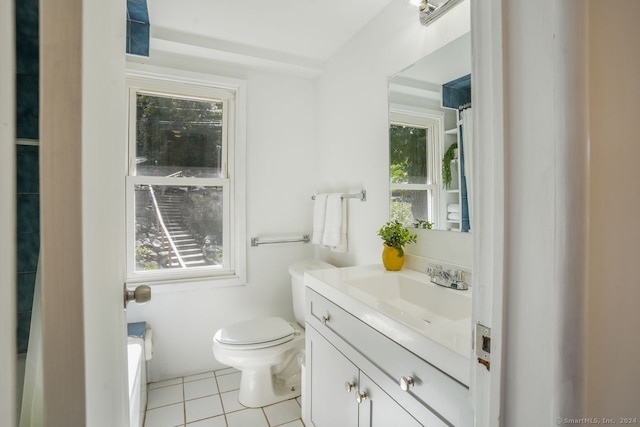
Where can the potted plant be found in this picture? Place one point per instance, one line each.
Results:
(422, 223)
(395, 236)
(448, 157)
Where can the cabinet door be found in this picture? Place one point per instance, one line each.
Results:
(378, 409)
(332, 403)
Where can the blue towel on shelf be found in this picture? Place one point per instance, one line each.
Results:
(136, 329)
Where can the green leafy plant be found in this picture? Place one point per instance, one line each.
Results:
(143, 254)
(449, 155)
(421, 223)
(396, 235)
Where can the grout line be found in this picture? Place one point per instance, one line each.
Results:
(265, 416)
(184, 405)
(219, 394)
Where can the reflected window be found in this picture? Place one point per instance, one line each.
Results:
(412, 167)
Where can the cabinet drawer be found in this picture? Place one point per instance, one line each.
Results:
(386, 362)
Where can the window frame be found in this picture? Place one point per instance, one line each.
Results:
(231, 93)
(433, 122)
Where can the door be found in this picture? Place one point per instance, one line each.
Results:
(82, 96)
(333, 377)
(378, 409)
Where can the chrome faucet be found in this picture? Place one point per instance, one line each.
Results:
(454, 279)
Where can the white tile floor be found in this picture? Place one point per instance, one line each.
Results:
(210, 399)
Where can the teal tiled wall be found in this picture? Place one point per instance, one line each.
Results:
(27, 162)
(27, 68)
(28, 236)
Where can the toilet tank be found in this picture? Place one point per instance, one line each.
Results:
(297, 270)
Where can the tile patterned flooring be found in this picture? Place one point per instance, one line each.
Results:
(210, 399)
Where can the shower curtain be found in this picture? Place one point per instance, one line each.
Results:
(467, 131)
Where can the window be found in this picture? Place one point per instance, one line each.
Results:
(413, 166)
(181, 214)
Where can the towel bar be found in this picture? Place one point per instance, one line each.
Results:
(361, 195)
(255, 241)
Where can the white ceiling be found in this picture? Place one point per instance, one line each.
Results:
(308, 29)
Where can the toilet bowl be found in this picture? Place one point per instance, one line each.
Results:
(268, 351)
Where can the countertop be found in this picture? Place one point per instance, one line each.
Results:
(444, 344)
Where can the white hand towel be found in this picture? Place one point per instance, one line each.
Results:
(342, 245)
(454, 216)
(319, 211)
(454, 207)
(332, 220)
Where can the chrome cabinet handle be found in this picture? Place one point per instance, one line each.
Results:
(406, 383)
(349, 386)
(361, 396)
(325, 319)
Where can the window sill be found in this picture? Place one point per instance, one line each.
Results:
(173, 285)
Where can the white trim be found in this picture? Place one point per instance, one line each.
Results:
(169, 75)
(32, 142)
(165, 41)
(432, 120)
(415, 111)
(148, 79)
(8, 215)
(396, 88)
(489, 199)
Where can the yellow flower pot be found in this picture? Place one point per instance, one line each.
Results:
(391, 259)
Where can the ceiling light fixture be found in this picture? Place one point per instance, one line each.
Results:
(430, 10)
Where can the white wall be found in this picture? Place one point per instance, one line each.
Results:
(614, 207)
(280, 136)
(442, 246)
(353, 133)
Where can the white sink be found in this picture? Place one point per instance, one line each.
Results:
(408, 296)
(431, 321)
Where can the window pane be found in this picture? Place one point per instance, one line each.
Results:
(409, 205)
(408, 154)
(192, 231)
(178, 136)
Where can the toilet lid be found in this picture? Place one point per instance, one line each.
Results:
(256, 331)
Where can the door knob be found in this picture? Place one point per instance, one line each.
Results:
(325, 319)
(140, 294)
(349, 386)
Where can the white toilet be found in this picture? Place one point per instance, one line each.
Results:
(269, 351)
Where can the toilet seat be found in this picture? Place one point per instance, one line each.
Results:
(256, 333)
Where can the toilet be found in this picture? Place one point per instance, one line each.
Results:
(269, 351)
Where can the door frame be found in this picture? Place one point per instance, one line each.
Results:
(489, 204)
(7, 214)
(82, 203)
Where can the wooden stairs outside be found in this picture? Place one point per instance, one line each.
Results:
(189, 249)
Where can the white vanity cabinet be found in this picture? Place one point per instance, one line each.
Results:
(330, 375)
(354, 375)
(347, 396)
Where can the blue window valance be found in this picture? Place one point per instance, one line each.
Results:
(137, 27)
(457, 92)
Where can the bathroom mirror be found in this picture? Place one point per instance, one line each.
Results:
(429, 139)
